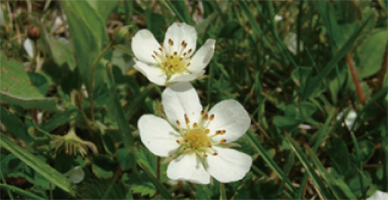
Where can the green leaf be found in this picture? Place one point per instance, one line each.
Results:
(88, 31)
(14, 125)
(61, 53)
(232, 30)
(19, 191)
(202, 192)
(161, 188)
(371, 53)
(60, 119)
(340, 156)
(287, 123)
(16, 87)
(270, 162)
(367, 149)
(39, 81)
(140, 183)
(103, 167)
(124, 159)
(337, 186)
(310, 170)
(35, 163)
(103, 8)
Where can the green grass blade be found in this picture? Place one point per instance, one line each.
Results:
(338, 187)
(338, 56)
(263, 153)
(19, 191)
(125, 132)
(175, 10)
(35, 163)
(306, 164)
(163, 190)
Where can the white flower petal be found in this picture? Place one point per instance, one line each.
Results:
(179, 32)
(180, 99)
(28, 45)
(229, 115)
(76, 174)
(186, 77)
(157, 135)
(153, 73)
(143, 46)
(229, 165)
(189, 168)
(378, 195)
(203, 56)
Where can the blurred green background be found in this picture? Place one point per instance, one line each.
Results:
(312, 75)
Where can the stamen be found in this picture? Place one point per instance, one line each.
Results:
(207, 131)
(218, 132)
(208, 144)
(202, 112)
(223, 132)
(175, 53)
(188, 64)
(187, 119)
(178, 123)
(177, 141)
(205, 155)
(153, 57)
(155, 53)
(160, 49)
(189, 51)
(222, 141)
(215, 153)
(211, 117)
(170, 42)
(206, 117)
(195, 125)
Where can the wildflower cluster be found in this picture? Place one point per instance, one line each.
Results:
(195, 140)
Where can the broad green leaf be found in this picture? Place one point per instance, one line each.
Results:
(35, 163)
(340, 156)
(104, 167)
(88, 32)
(103, 8)
(16, 87)
(287, 123)
(202, 192)
(61, 53)
(14, 125)
(371, 53)
(39, 81)
(140, 183)
(60, 119)
(96, 189)
(367, 149)
(124, 159)
(232, 30)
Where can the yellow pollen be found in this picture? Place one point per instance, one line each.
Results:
(222, 141)
(177, 122)
(197, 138)
(206, 117)
(218, 132)
(170, 42)
(207, 131)
(223, 132)
(195, 125)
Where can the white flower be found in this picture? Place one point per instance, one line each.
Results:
(174, 60)
(195, 139)
(378, 195)
(349, 120)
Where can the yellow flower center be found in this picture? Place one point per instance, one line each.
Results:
(173, 62)
(196, 138)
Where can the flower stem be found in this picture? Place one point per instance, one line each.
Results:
(222, 192)
(356, 83)
(94, 66)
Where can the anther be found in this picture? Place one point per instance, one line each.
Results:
(208, 144)
(153, 57)
(215, 153)
(178, 123)
(175, 53)
(177, 141)
(202, 112)
(180, 59)
(184, 148)
(160, 49)
(170, 42)
(218, 132)
(183, 43)
(205, 155)
(222, 141)
(155, 53)
(186, 140)
(189, 51)
(211, 117)
(184, 54)
(187, 119)
(206, 117)
(223, 132)
(188, 64)
(207, 131)
(195, 125)
(171, 57)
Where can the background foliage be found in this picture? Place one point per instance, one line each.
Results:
(298, 67)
